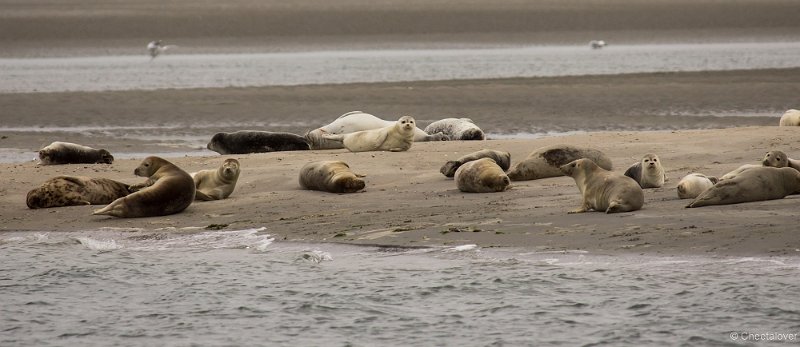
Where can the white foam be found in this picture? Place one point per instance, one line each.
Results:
(98, 245)
(316, 256)
(462, 248)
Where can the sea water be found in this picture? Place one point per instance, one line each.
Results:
(231, 288)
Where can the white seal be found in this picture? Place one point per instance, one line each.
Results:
(694, 184)
(358, 121)
(790, 118)
(397, 137)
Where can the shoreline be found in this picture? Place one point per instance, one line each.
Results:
(407, 202)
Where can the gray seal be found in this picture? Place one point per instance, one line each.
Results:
(248, 141)
(503, 159)
(70, 153)
(75, 190)
(754, 184)
(780, 159)
(546, 161)
(604, 190)
(457, 129)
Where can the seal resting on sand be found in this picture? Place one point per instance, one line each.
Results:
(71, 153)
(358, 121)
(604, 190)
(463, 129)
(648, 172)
(75, 190)
(330, 176)
(754, 184)
(397, 137)
(503, 159)
(790, 118)
(167, 190)
(246, 141)
(216, 184)
(546, 161)
(692, 185)
(481, 176)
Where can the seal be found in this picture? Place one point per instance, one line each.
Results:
(457, 129)
(481, 176)
(167, 190)
(330, 176)
(397, 137)
(692, 185)
(216, 184)
(75, 190)
(71, 153)
(652, 176)
(503, 159)
(780, 159)
(249, 141)
(754, 184)
(604, 190)
(354, 121)
(738, 170)
(790, 118)
(546, 161)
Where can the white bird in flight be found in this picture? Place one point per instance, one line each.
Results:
(597, 44)
(156, 47)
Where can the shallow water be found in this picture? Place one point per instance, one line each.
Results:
(183, 287)
(332, 67)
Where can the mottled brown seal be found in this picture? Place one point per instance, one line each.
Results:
(330, 176)
(481, 176)
(216, 184)
(503, 159)
(71, 153)
(75, 190)
(648, 172)
(754, 184)
(167, 190)
(604, 190)
(546, 161)
(463, 129)
(692, 185)
(397, 137)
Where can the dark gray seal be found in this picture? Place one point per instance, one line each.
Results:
(546, 161)
(503, 159)
(247, 141)
(75, 190)
(70, 153)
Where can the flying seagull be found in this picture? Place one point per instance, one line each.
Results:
(597, 44)
(156, 47)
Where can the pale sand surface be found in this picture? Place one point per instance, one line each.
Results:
(407, 202)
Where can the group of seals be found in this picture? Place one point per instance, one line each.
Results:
(75, 190)
(396, 137)
(503, 159)
(358, 121)
(216, 184)
(648, 172)
(753, 184)
(71, 153)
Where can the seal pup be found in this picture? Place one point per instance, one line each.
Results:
(75, 190)
(546, 161)
(780, 159)
(457, 129)
(216, 184)
(330, 176)
(481, 176)
(692, 185)
(397, 137)
(603, 190)
(648, 172)
(503, 159)
(790, 118)
(754, 184)
(71, 153)
(247, 141)
(354, 121)
(167, 190)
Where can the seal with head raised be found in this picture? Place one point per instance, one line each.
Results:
(546, 161)
(604, 190)
(790, 118)
(330, 176)
(754, 184)
(648, 172)
(354, 121)
(216, 184)
(167, 190)
(692, 185)
(75, 190)
(481, 176)
(780, 159)
(503, 159)
(247, 141)
(397, 137)
(71, 153)
(457, 129)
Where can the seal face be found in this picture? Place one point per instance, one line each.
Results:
(71, 153)
(481, 176)
(648, 172)
(75, 190)
(167, 190)
(780, 159)
(330, 176)
(397, 137)
(246, 141)
(503, 159)
(216, 184)
(355, 121)
(754, 184)
(692, 185)
(546, 161)
(603, 190)
(457, 129)
(790, 118)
